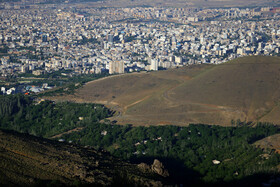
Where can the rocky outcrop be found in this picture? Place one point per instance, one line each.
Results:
(144, 167)
(157, 167)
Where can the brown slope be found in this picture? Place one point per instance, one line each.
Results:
(25, 160)
(271, 142)
(129, 89)
(249, 85)
(246, 88)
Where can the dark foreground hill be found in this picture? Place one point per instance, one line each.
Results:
(242, 90)
(28, 160)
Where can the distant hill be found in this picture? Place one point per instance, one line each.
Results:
(242, 90)
(48, 1)
(162, 3)
(29, 160)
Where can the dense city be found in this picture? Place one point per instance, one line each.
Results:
(38, 40)
(139, 93)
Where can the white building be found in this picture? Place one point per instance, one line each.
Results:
(116, 67)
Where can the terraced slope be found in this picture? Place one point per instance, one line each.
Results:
(245, 89)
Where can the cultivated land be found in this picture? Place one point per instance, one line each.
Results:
(245, 89)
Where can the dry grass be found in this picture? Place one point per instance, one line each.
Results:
(245, 89)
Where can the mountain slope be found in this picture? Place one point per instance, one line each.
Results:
(245, 89)
(27, 160)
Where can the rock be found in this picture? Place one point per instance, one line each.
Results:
(144, 167)
(158, 168)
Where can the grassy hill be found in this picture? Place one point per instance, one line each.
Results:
(29, 160)
(245, 89)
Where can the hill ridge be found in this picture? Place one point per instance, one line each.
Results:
(243, 89)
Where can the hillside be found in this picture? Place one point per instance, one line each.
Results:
(245, 89)
(28, 160)
(186, 153)
(271, 142)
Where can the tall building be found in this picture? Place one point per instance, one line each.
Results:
(116, 67)
(110, 38)
(178, 60)
(154, 65)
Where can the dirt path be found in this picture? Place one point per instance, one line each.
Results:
(68, 132)
(136, 102)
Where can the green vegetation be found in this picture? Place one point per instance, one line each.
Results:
(68, 85)
(187, 152)
(195, 147)
(46, 118)
(64, 80)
